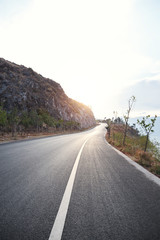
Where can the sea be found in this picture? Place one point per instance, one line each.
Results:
(155, 136)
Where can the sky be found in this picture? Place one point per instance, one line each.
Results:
(101, 52)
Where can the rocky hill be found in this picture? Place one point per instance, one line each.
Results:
(26, 90)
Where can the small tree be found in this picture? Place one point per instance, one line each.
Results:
(3, 118)
(109, 122)
(115, 113)
(147, 127)
(25, 120)
(126, 117)
(14, 120)
(34, 119)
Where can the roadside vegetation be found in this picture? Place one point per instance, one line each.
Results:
(23, 124)
(131, 142)
(134, 146)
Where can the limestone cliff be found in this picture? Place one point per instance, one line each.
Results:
(24, 89)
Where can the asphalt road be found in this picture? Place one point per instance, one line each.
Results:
(110, 198)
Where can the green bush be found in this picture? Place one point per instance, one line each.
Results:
(34, 120)
(157, 169)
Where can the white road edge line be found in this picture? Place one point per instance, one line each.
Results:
(57, 229)
(148, 174)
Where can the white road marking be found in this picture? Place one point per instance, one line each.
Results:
(57, 230)
(148, 174)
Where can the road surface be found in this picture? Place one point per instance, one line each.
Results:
(75, 187)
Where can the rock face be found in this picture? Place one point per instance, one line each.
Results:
(26, 90)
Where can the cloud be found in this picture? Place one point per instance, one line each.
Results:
(147, 94)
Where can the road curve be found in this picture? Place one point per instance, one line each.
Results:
(110, 198)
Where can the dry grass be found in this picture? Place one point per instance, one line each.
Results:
(8, 137)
